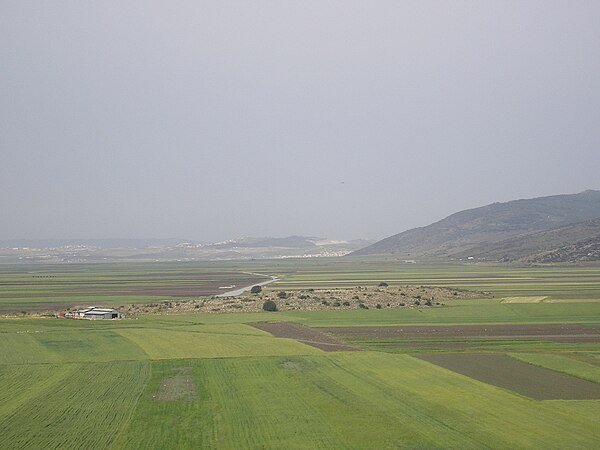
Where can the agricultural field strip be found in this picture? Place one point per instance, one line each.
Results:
(561, 362)
(173, 344)
(414, 338)
(464, 331)
(501, 370)
(306, 335)
(50, 413)
(360, 400)
(483, 313)
(117, 344)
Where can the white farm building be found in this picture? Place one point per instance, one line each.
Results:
(98, 313)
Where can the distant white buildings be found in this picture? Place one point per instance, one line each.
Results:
(94, 313)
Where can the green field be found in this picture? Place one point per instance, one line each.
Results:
(214, 381)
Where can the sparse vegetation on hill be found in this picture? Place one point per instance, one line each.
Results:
(577, 242)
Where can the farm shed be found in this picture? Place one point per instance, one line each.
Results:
(98, 313)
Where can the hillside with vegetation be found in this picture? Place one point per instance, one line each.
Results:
(577, 242)
(500, 231)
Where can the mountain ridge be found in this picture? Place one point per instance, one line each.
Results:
(454, 236)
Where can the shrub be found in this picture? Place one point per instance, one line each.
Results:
(378, 306)
(418, 302)
(383, 284)
(402, 304)
(325, 302)
(428, 303)
(281, 294)
(337, 304)
(363, 306)
(346, 303)
(269, 305)
(256, 290)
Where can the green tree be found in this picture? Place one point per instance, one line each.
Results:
(256, 290)
(269, 305)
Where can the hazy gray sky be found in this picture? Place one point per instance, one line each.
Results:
(342, 119)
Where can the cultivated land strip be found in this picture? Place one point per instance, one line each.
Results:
(526, 379)
(479, 331)
(306, 335)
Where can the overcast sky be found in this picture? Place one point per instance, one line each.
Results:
(340, 119)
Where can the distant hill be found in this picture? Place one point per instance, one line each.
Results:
(477, 229)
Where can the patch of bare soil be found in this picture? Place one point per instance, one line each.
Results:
(180, 387)
(306, 335)
(292, 365)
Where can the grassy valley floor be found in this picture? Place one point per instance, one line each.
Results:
(218, 381)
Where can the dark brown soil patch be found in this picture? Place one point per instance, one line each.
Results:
(306, 335)
(176, 388)
(508, 373)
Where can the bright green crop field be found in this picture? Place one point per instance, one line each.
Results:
(190, 381)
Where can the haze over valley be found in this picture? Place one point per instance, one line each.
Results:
(268, 224)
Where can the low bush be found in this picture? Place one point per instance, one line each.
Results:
(269, 305)
(281, 294)
(256, 290)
